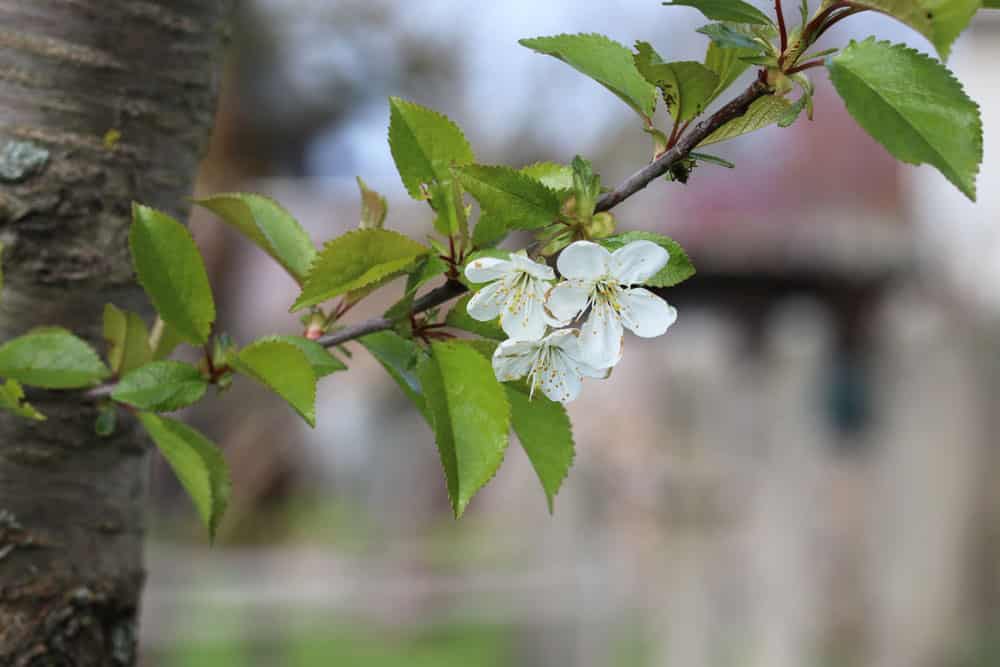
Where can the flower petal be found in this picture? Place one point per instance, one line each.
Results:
(584, 260)
(567, 300)
(601, 337)
(523, 317)
(644, 313)
(485, 269)
(513, 358)
(638, 261)
(560, 381)
(520, 262)
(485, 305)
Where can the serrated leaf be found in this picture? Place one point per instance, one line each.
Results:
(517, 199)
(735, 11)
(940, 21)
(51, 358)
(604, 60)
(679, 267)
(354, 260)
(283, 368)
(163, 339)
(728, 64)
(172, 272)
(545, 432)
(197, 463)
(127, 338)
(266, 223)
(400, 357)
(321, 359)
(912, 105)
(687, 86)
(490, 230)
(794, 111)
(726, 36)
(162, 386)
(12, 400)
(373, 207)
(764, 111)
(425, 145)
(470, 416)
(558, 177)
(428, 268)
(459, 318)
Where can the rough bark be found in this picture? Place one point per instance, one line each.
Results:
(71, 503)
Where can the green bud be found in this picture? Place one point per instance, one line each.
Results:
(600, 226)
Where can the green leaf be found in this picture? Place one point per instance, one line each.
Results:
(764, 111)
(400, 357)
(558, 177)
(725, 36)
(266, 223)
(544, 429)
(172, 272)
(604, 60)
(373, 207)
(12, 400)
(940, 21)
(283, 368)
(679, 267)
(686, 86)
(354, 260)
(727, 63)
(198, 464)
(913, 106)
(991, 4)
(52, 358)
(164, 339)
(490, 230)
(162, 386)
(735, 11)
(470, 416)
(321, 359)
(458, 317)
(519, 200)
(425, 145)
(1, 267)
(428, 268)
(127, 338)
(794, 111)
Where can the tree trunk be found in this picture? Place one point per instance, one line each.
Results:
(74, 75)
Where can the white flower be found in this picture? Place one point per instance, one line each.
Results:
(602, 280)
(516, 293)
(554, 363)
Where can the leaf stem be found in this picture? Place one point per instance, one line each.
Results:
(782, 30)
(809, 65)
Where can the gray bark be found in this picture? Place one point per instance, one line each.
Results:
(71, 503)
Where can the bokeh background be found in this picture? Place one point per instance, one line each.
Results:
(802, 472)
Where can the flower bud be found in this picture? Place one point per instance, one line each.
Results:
(602, 225)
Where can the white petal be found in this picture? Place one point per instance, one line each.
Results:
(485, 269)
(521, 262)
(637, 262)
(583, 260)
(644, 313)
(485, 305)
(512, 359)
(523, 316)
(601, 337)
(560, 381)
(567, 299)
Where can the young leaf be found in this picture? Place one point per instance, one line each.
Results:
(283, 368)
(604, 60)
(686, 86)
(519, 200)
(470, 416)
(544, 430)
(267, 224)
(678, 269)
(735, 11)
(558, 177)
(490, 230)
(940, 21)
(172, 272)
(321, 359)
(726, 36)
(425, 145)
(934, 122)
(765, 111)
(354, 260)
(52, 358)
(459, 318)
(162, 386)
(12, 400)
(198, 464)
(127, 338)
(400, 357)
(373, 207)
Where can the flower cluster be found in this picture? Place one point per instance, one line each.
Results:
(599, 291)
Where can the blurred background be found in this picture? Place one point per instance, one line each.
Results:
(800, 473)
